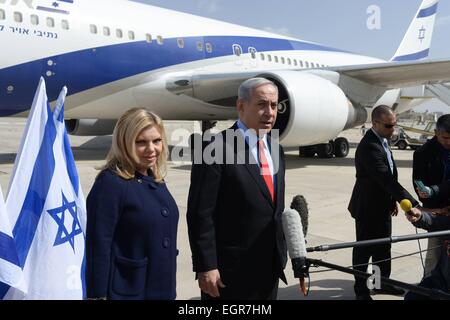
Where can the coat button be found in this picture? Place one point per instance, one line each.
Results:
(165, 212)
(166, 243)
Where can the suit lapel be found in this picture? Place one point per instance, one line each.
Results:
(251, 164)
(375, 138)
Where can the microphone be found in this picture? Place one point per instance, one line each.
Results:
(406, 206)
(295, 240)
(301, 206)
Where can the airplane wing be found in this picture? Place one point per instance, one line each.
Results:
(393, 75)
(373, 80)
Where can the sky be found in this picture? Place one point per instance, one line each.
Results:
(339, 24)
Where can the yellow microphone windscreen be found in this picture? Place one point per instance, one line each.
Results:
(406, 205)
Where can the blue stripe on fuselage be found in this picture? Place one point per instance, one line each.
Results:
(87, 69)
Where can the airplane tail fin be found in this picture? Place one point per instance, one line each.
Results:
(417, 41)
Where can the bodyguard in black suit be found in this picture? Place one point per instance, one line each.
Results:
(235, 204)
(374, 197)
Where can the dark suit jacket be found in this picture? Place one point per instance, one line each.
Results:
(376, 189)
(233, 224)
(429, 166)
(131, 239)
(438, 223)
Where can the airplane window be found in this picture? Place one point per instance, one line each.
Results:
(209, 48)
(119, 33)
(237, 50)
(93, 28)
(289, 61)
(269, 57)
(131, 35)
(2, 14)
(34, 19)
(148, 38)
(106, 31)
(18, 17)
(65, 24)
(180, 42)
(276, 59)
(283, 60)
(306, 64)
(300, 63)
(160, 40)
(262, 56)
(199, 46)
(295, 62)
(50, 22)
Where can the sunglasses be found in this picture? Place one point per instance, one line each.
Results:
(387, 126)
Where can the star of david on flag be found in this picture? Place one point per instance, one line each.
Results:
(46, 208)
(59, 215)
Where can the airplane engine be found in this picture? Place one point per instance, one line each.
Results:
(312, 110)
(90, 127)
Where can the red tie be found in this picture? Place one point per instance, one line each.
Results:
(265, 169)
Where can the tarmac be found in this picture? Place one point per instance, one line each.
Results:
(326, 184)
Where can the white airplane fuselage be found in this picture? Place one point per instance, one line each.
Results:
(114, 55)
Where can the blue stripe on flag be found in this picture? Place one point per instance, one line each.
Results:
(8, 249)
(44, 167)
(3, 290)
(428, 11)
(70, 161)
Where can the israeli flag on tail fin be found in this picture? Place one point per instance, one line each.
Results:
(10, 270)
(417, 41)
(46, 208)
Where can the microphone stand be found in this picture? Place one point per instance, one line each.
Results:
(419, 290)
(392, 239)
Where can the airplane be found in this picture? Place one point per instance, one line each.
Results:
(115, 54)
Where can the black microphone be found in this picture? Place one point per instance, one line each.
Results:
(301, 206)
(295, 240)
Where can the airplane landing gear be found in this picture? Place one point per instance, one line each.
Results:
(338, 148)
(341, 147)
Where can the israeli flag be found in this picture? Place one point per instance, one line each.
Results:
(46, 208)
(10, 270)
(55, 6)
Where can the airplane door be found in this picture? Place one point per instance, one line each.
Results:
(253, 57)
(201, 51)
(238, 55)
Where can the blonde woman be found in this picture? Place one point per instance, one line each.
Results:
(132, 217)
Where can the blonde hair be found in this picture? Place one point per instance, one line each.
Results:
(122, 157)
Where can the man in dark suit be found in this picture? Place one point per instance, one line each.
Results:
(431, 165)
(439, 277)
(374, 198)
(236, 201)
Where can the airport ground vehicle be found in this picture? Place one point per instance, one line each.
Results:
(402, 140)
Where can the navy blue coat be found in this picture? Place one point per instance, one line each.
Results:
(131, 239)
